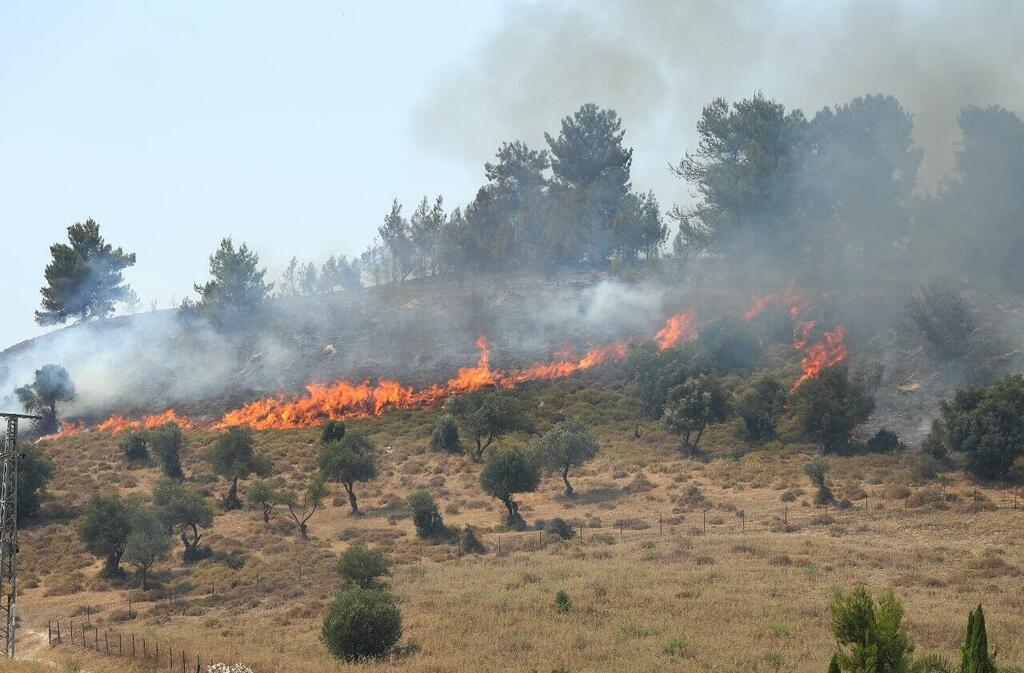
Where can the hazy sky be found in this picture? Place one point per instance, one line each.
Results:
(291, 126)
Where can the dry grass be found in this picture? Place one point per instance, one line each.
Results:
(650, 590)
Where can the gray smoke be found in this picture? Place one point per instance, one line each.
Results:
(658, 62)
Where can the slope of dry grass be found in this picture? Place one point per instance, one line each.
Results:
(651, 589)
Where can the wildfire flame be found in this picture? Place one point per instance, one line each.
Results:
(344, 399)
(678, 327)
(830, 351)
(118, 423)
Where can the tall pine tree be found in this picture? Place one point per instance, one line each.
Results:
(976, 657)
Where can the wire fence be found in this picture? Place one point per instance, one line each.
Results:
(150, 652)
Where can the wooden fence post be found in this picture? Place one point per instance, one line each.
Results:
(58, 631)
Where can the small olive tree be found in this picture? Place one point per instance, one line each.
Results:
(566, 445)
(301, 511)
(184, 510)
(348, 461)
(484, 416)
(262, 495)
(507, 472)
(234, 457)
(147, 542)
(694, 405)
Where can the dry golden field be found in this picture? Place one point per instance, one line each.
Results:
(652, 587)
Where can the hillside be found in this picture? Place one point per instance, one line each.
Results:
(718, 565)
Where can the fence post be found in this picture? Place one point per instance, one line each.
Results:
(499, 545)
(87, 611)
(58, 631)
(49, 633)
(133, 646)
(705, 524)
(785, 515)
(129, 607)
(183, 662)
(96, 637)
(106, 641)
(661, 527)
(743, 521)
(72, 622)
(540, 539)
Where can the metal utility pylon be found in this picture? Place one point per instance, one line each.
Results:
(9, 528)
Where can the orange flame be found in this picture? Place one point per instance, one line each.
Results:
(67, 430)
(828, 352)
(118, 423)
(344, 399)
(678, 327)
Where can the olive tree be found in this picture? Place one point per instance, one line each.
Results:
(348, 461)
(507, 472)
(695, 404)
(262, 495)
(147, 542)
(185, 510)
(301, 511)
(566, 445)
(484, 416)
(104, 530)
(234, 457)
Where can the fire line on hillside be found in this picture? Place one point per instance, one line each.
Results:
(345, 399)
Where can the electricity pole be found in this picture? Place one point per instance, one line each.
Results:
(9, 528)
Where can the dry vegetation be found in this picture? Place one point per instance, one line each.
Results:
(649, 589)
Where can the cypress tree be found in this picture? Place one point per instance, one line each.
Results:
(976, 657)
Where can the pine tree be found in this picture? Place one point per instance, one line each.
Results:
(976, 657)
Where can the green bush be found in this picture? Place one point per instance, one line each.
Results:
(986, 424)
(425, 515)
(361, 624)
(816, 470)
(133, 446)
(34, 472)
(830, 405)
(939, 314)
(167, 442)
(361, 566)
(558, 526)
(872, 637)
(332, 432)
(470, 543)
(563, 603)
(761, 407)
(445, 436)
(884, 441)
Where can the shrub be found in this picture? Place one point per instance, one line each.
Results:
(361, 566)
(185, 510)
(761, 407)
(816, 470)
(939, 314)
(332, 432)
(133, 446)
(884, 441)
(470, 543)
(563, 603)
(560, 527)
(167, 442)
(830, 405)
(425, 515)
(507, 472)
(445, 436)
(361, 624)
(987, 424)
(873, 635)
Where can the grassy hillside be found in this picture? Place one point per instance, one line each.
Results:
(721, 565)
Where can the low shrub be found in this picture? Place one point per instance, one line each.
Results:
(361, 624)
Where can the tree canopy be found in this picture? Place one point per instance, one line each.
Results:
(347, 461)
(236, 287)
(566, 445)
(233, 456)
(52, 384)
(84, 278)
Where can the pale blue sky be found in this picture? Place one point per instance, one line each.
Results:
(173, 124)
(291, 126)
